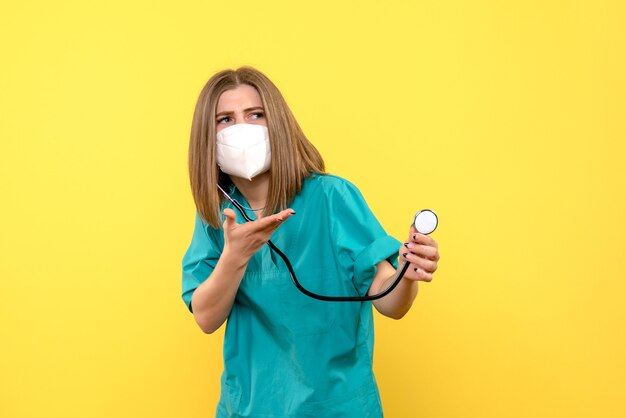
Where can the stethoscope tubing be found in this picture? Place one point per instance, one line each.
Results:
(307, 292)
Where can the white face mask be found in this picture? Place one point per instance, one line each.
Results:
(243, 150)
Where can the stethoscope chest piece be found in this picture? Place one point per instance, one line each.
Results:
(425, 221)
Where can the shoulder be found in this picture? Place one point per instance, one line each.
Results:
(335, 191)
(329, 184)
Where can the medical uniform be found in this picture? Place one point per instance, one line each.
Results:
(286, 354)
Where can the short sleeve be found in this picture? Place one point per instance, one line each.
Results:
(199, 260)
(361, 240)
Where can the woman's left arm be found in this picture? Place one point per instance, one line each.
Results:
(422, 252)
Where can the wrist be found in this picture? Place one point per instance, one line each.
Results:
(234, 259)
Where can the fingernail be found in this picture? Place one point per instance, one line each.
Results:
(293, 212)
(406, 244)
(414, 237)
(415, 269)
(404, 255)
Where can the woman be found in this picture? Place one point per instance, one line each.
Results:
(286, 354)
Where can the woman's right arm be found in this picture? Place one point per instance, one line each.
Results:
(213, 300)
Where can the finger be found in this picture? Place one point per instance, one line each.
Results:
(231, 218)
(270, 223)
(429, 266)
(422, 275)
(423, 239)
(417, 274)
(425, 251)
(287, 213)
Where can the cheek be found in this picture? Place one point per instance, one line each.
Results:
(261, 122)
(220, 126)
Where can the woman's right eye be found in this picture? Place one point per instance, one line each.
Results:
(224, 119)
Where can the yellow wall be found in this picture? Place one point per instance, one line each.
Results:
(507, 118)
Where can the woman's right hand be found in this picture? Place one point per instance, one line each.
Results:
(247, 238)
(213, 300)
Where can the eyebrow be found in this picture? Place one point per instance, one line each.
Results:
(245, 110)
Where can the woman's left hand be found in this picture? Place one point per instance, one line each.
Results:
(423, 253)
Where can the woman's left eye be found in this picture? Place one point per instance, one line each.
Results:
(256, 115)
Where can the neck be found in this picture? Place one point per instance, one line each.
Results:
(255, 190)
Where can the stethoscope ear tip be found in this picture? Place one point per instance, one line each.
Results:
(425, 221)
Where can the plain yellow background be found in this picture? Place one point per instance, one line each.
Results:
(507, 118)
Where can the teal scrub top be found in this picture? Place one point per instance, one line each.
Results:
(286, 354)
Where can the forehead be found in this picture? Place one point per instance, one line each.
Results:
(241, 97)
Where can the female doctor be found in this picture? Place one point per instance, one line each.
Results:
(286, 354)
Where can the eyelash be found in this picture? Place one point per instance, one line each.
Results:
(257, 114)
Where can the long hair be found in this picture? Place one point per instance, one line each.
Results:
(293, 157)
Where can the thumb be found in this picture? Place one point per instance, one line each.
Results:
(231, 218)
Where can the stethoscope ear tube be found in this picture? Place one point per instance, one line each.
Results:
(307, 292)
(337, 298)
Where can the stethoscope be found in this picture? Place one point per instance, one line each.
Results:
(425, 222)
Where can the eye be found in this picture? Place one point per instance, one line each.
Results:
(223, 119)
(256, 115)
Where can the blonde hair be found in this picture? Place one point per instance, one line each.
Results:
(293, 157)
